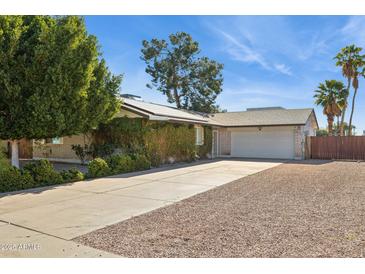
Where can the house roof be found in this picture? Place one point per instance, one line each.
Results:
(253, 117)
(262, 117)
(161, 112)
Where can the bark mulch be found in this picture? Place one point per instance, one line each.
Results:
(302, 209)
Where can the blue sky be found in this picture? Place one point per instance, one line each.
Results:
(268, 60)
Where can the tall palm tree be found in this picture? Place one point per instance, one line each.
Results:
(342, 103)
(359, 64)
(329, 95)
(346, 60)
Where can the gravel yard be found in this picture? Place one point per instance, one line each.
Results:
(299, 209)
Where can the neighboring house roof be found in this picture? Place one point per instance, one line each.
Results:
(262, 117)
(253, 117)
(161, 112)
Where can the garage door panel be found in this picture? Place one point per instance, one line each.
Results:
(267, 143)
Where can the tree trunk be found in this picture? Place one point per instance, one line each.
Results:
(352, 112)
(14, 153)
(338, 126)
(177, 98)
(344, 108)
(330, 124)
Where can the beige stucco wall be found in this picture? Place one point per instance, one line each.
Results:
(62, 152)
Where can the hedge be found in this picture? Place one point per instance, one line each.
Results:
(42, 173)
(117, 164)
(35, 174)
(160, 142)
(4, 162)
(143, 144)
(12, 179)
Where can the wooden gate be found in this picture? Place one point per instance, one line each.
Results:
(336, 147)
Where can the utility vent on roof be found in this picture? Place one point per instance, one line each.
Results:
(131, 96)
(266, 108)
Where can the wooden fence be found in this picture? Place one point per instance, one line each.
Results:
(25, 149)
(336, 147)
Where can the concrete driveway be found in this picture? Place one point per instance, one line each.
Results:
(47, 219)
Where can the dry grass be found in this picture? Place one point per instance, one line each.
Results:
(304, 209)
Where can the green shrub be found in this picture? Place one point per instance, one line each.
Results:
(121, 163)
(155, 156)
(141, 162)
(81, 152)
(101, 150)
(93, 151)
(12, 179)
(205, 150)
(123, 132)
(43, 173)
(72, 175)
(166, 141)
(98, 168)
(159, 141)
(4, 162)
(35, 174)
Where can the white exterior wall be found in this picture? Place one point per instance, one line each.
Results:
(299, 143)
(299, 134)
(263, 142)
(311, 126)
(309, 129)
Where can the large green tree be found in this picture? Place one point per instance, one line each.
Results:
(328, 95)
(189, 81)
(53, 81)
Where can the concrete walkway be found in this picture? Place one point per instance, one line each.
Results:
(49, 218)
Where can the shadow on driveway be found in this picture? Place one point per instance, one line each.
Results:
(65, 166)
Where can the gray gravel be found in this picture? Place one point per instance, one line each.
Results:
(302, 209)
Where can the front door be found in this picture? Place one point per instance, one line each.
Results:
(215, 144)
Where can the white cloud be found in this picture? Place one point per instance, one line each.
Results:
(353, 31)
(354, 24)
(284, 69)
(262, 94)
(243, 52)
(317, 45)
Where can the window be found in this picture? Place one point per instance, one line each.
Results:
(199, 135)
(54, 141)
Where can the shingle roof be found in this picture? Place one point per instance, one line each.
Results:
(253, 117)
(263, 117)
(163, 111)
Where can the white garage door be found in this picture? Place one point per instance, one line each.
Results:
(270, 142)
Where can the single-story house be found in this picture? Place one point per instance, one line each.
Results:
(272, 132)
